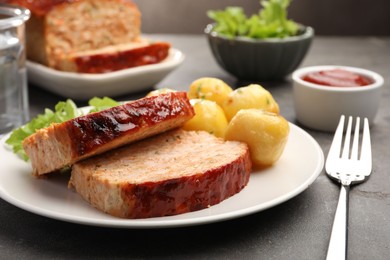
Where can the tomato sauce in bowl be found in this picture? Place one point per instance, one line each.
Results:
(323, 93)
(337, 78)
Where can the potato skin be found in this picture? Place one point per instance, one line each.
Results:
(209, 88)
(265, 133)
(209, 117)
(160, 91)
(252, 96)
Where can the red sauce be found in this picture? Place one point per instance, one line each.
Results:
(186, 194)
(101, 63)
(337, 78)
(40, 7)
(93, 131)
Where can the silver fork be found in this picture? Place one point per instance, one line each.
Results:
(347, 168)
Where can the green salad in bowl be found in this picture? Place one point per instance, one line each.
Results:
(264, 46)
(269, 22)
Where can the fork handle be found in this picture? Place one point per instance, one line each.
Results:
(338, 241)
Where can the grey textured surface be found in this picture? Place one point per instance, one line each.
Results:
(296, 229)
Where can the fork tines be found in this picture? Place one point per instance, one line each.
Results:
(348, 153)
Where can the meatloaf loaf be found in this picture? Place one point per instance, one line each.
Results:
(68, 35)
(62, 144)
(171, 173)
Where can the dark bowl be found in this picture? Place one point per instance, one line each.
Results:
(260, 59)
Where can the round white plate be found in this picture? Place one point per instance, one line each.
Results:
(300, 164)
(83, 86)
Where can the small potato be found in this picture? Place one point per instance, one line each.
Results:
(252, 96)
(209, 88)
(265, 133)
(160, 91)
(208, 117)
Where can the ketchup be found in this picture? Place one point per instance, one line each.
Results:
(40, 7)
(337, 78)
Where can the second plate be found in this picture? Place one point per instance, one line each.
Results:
(82, 86)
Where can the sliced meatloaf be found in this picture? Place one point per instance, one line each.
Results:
(88, 36)
(171, 173)
(63, 144)
(113, 58)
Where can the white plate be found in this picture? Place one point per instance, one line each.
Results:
(292, 174)
(83, 86)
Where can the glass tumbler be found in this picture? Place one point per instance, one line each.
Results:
(14, 110)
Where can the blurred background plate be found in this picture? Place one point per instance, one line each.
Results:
(81, 86)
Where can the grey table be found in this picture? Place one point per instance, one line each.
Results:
(297, 229)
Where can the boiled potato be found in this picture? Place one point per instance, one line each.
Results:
(208, 117)
(265, 133)
(209, 88)
(252, 96)
(160, 91)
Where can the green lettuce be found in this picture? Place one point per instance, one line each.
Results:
(270, 22)
(99, 104)
(63, 111)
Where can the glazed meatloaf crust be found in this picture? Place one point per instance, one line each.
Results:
(62, 33)
(115, 58)
(171, 173)
(63, 144)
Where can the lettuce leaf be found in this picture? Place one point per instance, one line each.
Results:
(63, 111)
(270, 22)
(99, 104)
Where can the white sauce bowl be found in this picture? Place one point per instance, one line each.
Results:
(319, 107)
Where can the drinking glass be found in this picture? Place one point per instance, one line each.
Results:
(14, 110)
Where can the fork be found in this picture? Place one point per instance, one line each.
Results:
(346, 167)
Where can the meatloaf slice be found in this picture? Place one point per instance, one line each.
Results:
(171, 173)
(114, 58)
(61, 145)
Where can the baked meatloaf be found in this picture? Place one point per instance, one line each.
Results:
(62, 144)
(116, 57)
(172, 173)
(70, 35)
